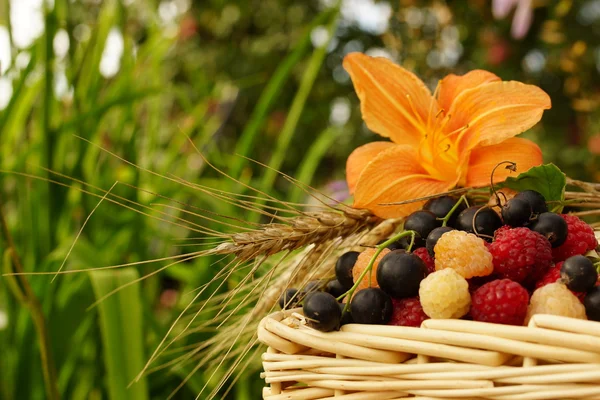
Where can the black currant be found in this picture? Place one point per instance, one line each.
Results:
(579, 273)
(371, 306)
(516, 212)
(343, 268)
(397, 245)
(289, 299)
(404, 242)
(312, 286)
(535, 200)
(552, 226)
(486, 221)
(347, 316)
(335, 288)
(322, 311)
(421, 222)
(441, 206)
(592, 304)
(399, 274)
(434, 236)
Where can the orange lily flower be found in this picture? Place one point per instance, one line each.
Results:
(453, 138)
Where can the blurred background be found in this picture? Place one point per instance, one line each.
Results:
(255, 78)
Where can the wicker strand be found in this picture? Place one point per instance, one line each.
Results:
(384, 362)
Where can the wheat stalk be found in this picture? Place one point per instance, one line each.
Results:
(299, 232)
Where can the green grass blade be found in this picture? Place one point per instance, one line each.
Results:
(269, 95)
(287, 132)
(306, 170)
(122, 336)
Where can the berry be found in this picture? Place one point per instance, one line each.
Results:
(486, 221)
(362, 262)
(578, 273)
(312, 286)
(399, 274)
(555, 299)
(516, 212)
(322, 311)
(501, 301)
(445, 294)
(535, 200)
(407, 312)
(501, 231)
(552, 226)
(421, 222)
(346, 317)
(519, 253)
(423, 254)
(335, 288)
(371, 306)
(434, 236)
(289, 299)
(400, 244)
(343, 268)
(592, 304)
(553, 275)
(580, 239)
(463, 252)
(441, 206)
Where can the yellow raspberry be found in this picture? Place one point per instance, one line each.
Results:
(463, 252)
(361, 263)
(555, 299)
(445, 294)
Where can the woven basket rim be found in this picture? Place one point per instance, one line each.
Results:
(553, 357)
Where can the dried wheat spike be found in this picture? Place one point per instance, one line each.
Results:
(316, 227)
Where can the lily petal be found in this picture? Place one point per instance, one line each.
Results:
(360, 157)
(493, 112)
(393, 176)
(523, 152)
(393, 101)
(453, 85)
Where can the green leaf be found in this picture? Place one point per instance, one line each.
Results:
(122, 335)
(547, 179)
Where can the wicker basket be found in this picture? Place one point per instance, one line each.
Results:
(552, 358)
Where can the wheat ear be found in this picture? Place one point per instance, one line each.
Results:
(298, 232)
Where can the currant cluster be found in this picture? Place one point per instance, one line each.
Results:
(499, 264)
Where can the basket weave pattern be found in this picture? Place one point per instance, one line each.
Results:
(552, 358)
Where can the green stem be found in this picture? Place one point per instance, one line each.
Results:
(48, 133)
(289, 128)
(269, 96)
(367, 270)
(27, 297)
(445, 220)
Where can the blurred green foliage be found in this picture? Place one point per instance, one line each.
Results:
(257, 78)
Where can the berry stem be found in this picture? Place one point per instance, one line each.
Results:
(512, 166)
(474, 225)
(462, 198)
(367, 270)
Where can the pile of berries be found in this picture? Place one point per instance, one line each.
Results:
(454, 261)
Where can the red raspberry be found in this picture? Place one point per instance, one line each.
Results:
(424, 255)
(501, 231)
(552, 276)
(520, 253)
(407, 312)
(580, 239)
(501, 301)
